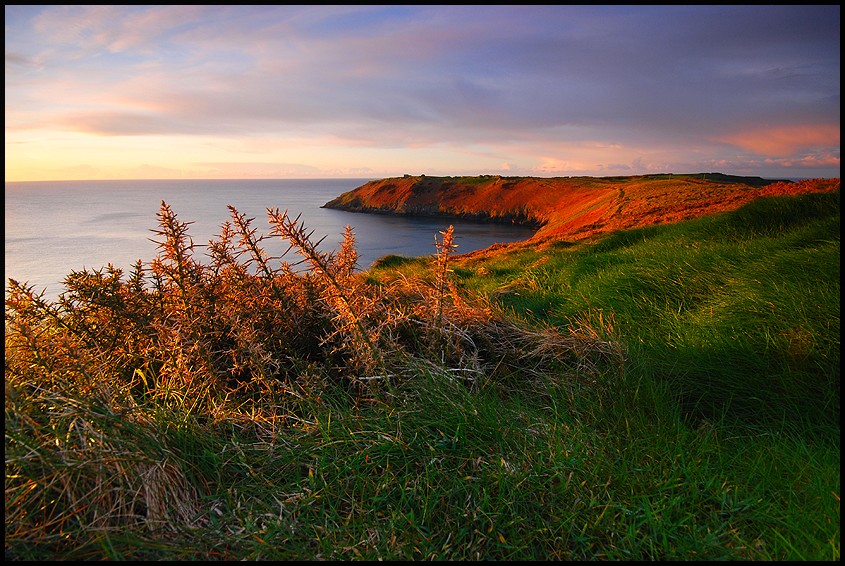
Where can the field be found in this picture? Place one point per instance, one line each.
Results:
(661, 391)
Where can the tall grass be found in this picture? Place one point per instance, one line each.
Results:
(643, 397)
(739, 312)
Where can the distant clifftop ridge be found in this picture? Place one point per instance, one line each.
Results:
(568, 207)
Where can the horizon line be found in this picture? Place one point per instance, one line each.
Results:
(794, 179)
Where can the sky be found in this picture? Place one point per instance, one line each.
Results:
(239, 92)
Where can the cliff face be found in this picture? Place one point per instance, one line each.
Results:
(568, 207)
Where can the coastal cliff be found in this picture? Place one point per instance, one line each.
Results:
(570, 208)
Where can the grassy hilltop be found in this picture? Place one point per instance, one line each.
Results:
(654, 376)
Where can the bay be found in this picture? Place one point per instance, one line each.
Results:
(55, 227)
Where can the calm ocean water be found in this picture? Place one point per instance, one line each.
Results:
(53, 228)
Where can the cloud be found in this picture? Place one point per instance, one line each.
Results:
(782, 141)
(552, 88)
(247, 170)
(114, 29)
(818, 160)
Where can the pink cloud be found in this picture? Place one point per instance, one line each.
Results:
(112, 28)
(784, 141)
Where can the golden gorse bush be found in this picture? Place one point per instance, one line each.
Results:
(246, 321)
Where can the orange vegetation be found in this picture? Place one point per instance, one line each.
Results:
(571, 208)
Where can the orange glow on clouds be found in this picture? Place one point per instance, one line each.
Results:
(785, 140)
(117, 92)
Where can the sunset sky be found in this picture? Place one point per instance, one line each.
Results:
(143, 92)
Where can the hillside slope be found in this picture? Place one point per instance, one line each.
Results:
(571, 208)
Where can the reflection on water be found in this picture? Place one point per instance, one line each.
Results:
(53, 228)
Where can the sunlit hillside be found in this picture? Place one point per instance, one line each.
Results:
(569, 207)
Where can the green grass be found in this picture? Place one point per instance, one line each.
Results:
(739, 312)
(716, 437)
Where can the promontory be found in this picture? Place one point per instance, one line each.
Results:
(571, 208)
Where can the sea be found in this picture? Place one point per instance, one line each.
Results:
(56, 227)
